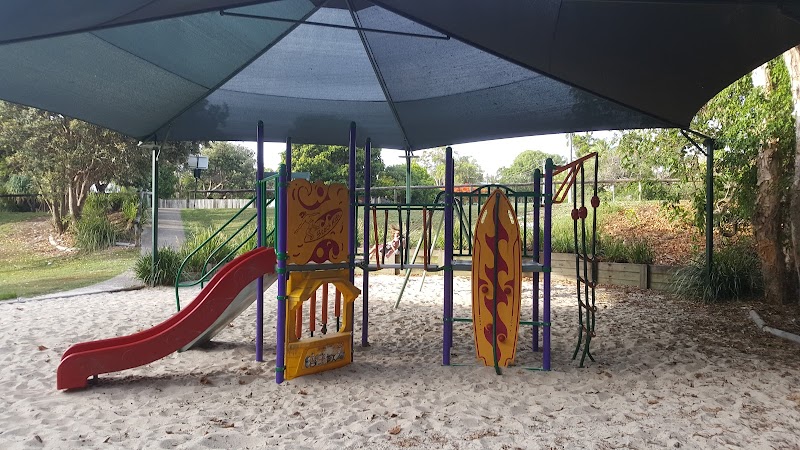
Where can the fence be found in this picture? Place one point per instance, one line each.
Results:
(203, 203)
(22, 202)
(625, 188)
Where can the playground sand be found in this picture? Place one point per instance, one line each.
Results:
(668, 374)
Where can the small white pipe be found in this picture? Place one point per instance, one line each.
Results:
(757, 319)
(773, 331)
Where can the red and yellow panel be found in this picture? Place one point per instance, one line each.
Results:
(322, 352)
(496, 240)
(317, 221)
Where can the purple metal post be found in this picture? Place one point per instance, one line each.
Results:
(365, 290)
(280, 365)
(351, 243)
(260, 233)
(537, 194)
(548, 247)
(449, 182)
(351, 184)
(283, 185)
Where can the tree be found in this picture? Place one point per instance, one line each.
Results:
(331, 163)
(653, 155)
(64, 157)
(467, 169)
(521, 169)
(583, 143)
(171, 161)
(754, 155)
(772, 154)
(433, 161)
(792, 60)
(395, 175)
(756, 138)
(230, 166)
(639, 154)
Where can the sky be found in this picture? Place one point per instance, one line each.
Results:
(491, 155)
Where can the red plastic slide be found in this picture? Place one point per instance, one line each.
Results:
(111, 355)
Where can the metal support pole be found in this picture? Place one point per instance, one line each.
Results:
(351, 184)
(154, 260)
(260, 231)
(449, 182)
(537, 195)
(408, 176)
(352, 227)
(280, 364)
(548, 247)
(365, 274)
(570, 138)
(709, 145)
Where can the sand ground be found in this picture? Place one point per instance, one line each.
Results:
(669, 374)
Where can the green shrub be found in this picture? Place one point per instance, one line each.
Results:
(562, 234)
(96, 205)
(247, 243)
(736, 274)
(19, 184)
(166, 270)
(130, 209)
(639, 251)
(100, 203)
(95, 232)
(269, 240)
(117, 199)
(612, 250)
(562, 243)
(635, 251)
(213, 252)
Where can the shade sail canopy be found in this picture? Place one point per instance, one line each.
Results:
(411, 73)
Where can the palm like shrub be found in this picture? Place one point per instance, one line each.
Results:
(95, 232)
(165, 271)
(736, 275)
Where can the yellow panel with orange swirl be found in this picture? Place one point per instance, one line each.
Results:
(317, 222)
(496, 270)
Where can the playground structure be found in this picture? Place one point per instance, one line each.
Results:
(314, 239)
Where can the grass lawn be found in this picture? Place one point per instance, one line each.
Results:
(11, 217)
(197, 220)
(29, 266)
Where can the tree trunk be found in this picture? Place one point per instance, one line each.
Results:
(55, 203)
(73, 203)
(767, 228)
(77, 195)
(767, 223)
(55, 215)
(792, 60)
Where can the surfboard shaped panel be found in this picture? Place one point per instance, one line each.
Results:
(496, 271)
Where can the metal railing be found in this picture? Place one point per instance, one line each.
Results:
(468, 205)
(205, 272)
